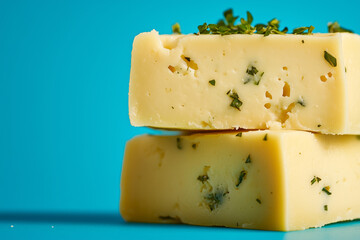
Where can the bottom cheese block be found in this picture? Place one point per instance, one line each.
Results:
(272, 180)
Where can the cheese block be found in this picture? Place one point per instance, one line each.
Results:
(272, 180)
(199, 82)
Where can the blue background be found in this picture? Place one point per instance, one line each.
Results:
(64, 74)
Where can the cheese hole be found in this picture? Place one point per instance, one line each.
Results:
(268, 95)
(267, 105)
(285, 68)
(169, 43)
(171, 68)
(323, 78)
(189, 62)
(285, 113)
(329, 74)
(286, 90)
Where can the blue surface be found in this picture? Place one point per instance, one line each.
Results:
(64, 72)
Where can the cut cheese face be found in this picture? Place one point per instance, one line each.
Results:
(272, 180)
(214, 82)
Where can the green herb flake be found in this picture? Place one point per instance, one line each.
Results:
(242, 177)
(265, 137)
(258, 200)
(325, 207)
(194, 145)
(203, 178)
(335, 27)
(215, 199)
(326, 190)
(301, 102)
(253, 74)
(252, 70)
(203, 29)
(212, 82)
(176, 28)
(330, 58)
(304, 30)
(315, 180)
(179, 144)
(319, 125)
(235, 103)
(248, 159)
(302, 41)
(239, 134)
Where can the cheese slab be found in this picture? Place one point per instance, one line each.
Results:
(272, 180)
(299, 82)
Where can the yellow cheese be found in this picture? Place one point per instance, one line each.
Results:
(273, 180)
(246, 81)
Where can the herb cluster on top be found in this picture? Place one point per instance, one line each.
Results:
(228, 26)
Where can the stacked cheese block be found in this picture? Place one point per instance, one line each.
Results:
(288, 155)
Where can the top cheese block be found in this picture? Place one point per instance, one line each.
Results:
(200, 82)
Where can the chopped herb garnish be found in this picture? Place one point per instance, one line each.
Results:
(176, 28)
(248, 159)
(302, 41)
(330, 58)
(252, 70)
(325, 207)
(301, 102)
(194, 145)
(179, 143)
(203, 178)
(239, 134)
(212, 82)
(203, 29)
(242, 177)
(253, 74)
(258, 200)
(335, 27)
(235, 103)
(315, 179)
(265, 137)
(303, 30)
(228, 26)
(319, 125)
(326, 190)
(214, 200)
